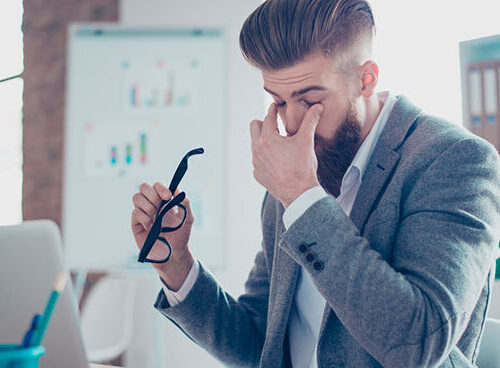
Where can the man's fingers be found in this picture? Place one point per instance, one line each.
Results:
(189, 214)
(150, 193)
(141, 202)
(141, 218)
(162, 191)
(255, 130)
(310, 121)
(270, 125)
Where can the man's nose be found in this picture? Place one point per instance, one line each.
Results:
(293, 118)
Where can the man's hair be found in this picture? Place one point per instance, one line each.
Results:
(281, 33)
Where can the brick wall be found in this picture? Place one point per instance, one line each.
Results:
(45, 24)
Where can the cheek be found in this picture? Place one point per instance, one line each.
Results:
(328, 124)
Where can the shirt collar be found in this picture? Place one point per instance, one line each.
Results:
(360, 161)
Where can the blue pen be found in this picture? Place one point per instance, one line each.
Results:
(29, 335)
(59, 285)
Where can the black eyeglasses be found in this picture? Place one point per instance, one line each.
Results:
(162, 254)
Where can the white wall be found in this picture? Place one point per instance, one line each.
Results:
(11, 155)
(245, 102)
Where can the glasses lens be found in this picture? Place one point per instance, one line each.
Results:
(174, 218)
(160, 251)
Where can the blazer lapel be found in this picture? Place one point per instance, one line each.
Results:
(384, 159)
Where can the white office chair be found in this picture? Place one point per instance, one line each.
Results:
(489, 353)
(107, 318)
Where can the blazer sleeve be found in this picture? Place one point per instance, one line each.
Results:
(231, 330)
(412, 311)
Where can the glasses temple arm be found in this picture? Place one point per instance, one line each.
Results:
(181, 169)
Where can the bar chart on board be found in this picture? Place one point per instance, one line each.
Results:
(160, 85)
(138, 100)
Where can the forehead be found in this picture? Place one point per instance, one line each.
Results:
(316, 69)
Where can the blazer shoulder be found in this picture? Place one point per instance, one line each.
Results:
(433, 135)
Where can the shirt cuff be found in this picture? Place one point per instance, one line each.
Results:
(301, 204)
(176, 297)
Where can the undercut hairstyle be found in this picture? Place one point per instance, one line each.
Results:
(281, 33)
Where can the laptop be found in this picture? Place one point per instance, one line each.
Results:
(30, 259)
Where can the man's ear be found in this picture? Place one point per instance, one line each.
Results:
(369, 78)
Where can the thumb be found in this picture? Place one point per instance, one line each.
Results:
(163, 191)
(310, 121)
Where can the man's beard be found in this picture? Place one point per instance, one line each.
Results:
(336, 154)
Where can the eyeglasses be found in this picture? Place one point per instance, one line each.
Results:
(162, 254)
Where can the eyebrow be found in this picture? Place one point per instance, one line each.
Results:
(299, 92)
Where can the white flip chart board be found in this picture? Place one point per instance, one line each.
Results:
(138, 99)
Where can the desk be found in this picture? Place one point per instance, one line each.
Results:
(101, 366)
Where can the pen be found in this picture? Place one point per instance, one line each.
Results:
(59, 285)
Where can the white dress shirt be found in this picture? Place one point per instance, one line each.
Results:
(308, 305)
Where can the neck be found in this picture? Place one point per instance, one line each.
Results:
(368, 109)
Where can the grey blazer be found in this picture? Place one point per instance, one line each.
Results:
(406, 277)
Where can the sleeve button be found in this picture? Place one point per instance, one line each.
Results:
(310, 257)
(318, 266)
(303, 248)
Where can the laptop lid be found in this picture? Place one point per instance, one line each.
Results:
(30, 259)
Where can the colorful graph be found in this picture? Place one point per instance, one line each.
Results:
(128, 154)
(157, 86)
(115, 149)
(143, 156)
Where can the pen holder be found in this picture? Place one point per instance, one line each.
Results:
(17, 356)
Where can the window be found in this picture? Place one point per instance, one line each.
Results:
(417, 48)
(11, 65)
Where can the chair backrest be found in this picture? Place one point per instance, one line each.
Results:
(107, 318)
(489, 353)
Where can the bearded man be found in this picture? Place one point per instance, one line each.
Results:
(380, 223)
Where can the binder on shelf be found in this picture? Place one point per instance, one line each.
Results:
(497, 68)
(475, 99)
(490, 116)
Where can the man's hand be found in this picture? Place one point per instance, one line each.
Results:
(285, 166)
(146, 202)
